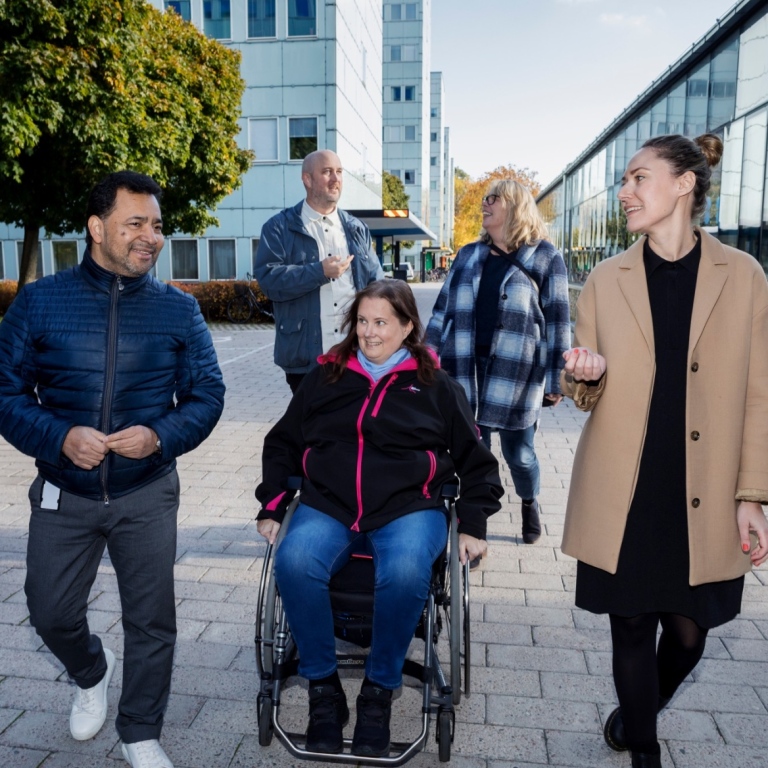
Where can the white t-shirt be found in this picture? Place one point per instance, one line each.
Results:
(335, 295)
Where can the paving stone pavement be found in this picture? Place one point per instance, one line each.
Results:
(541, 668)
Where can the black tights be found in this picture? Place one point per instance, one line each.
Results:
(643, 674)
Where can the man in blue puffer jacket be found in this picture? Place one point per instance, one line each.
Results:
(106, 376)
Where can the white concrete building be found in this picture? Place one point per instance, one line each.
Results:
(407, 88)
(449, 196)
(436, 155)
(313, 72)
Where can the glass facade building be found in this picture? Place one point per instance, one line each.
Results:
(720, 86)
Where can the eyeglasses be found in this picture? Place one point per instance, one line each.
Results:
(491, 199)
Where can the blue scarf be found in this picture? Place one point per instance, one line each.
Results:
(377, 370)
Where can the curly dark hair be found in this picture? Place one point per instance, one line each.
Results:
(698, 155)
(400, 297)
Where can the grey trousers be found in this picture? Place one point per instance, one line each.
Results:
(63, 554)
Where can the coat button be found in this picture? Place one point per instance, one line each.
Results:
(500, 326)
(695, 435)
(694, 367)
(503, 295)
(695, 503)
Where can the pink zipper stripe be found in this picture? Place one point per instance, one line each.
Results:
(432, 470)
(381, 396)
(304, 462)
(359, 470)
(272, 506)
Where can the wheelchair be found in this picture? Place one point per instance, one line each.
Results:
(351, 590)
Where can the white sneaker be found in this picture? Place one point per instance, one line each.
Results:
(89, 709)
(146, 754)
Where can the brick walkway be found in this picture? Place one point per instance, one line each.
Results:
(541, 669)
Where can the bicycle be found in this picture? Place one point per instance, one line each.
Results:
(240, 309)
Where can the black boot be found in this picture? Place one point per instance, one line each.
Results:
(531, 523)
(374, 708)
(613, 732)
(328, 714)
(646, 760)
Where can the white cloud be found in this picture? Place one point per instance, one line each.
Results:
(623, 20)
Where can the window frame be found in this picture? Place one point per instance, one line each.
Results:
(276, 121)
(194, 240)
(251, 38)
(317, 135)
(210, 242)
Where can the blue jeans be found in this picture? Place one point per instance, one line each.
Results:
(518, 452)
(317, 546)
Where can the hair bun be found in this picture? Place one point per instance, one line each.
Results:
(711, 146)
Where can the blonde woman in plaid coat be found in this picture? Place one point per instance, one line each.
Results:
(501, 324)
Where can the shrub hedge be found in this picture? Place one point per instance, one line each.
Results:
(212, 297)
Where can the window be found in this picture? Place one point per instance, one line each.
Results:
(409, 177)
(409, 52)
(396, 93)
(261, 18)
(396, 12)
(433, 184)
(222, 260)
(410, 11)
(410, 132)
(433, 136)
(19, 250)
(302, 20)
(433, 160)
(393, 133)
(216, 19)
(302, 136)
(753, 74)
(394, 173)
(722, 88)
(262, 138)
(184, 264)
(64, 254)
(433, 112)
(410, 93)
(394, 53)
(182, 7)
(254, 249)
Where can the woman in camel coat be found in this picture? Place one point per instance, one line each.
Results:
(671, 361)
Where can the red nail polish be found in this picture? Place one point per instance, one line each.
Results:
(745, 547)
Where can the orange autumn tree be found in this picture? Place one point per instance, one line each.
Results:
(469, 195)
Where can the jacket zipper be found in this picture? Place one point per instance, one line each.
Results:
(381, 396)
(109, 376)
(430, 477)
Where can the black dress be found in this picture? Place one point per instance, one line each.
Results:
(653, 569)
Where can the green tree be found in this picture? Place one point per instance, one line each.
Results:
(88, 87)
(393, 195)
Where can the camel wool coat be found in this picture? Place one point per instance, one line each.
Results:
(726, 407)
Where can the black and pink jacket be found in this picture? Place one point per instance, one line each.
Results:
(370, 452)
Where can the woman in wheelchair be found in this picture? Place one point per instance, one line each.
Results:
(375, 431)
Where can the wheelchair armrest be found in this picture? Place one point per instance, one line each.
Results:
(450, 490)
(294, 483)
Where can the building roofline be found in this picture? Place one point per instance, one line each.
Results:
(702, 47)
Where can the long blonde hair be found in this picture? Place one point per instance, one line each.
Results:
(524, 224)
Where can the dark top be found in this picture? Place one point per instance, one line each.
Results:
(487, 304)
(653, 568)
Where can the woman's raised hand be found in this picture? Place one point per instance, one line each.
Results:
(583, 364)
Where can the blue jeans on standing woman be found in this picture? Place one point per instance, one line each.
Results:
(516, 447)
(317, 546)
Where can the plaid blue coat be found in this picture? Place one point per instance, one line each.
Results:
(527, 347)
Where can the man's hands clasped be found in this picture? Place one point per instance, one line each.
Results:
(86, 447)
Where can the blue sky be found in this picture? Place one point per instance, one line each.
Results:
(532, 82)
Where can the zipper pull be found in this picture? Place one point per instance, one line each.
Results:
(106, 499)
(120, 287)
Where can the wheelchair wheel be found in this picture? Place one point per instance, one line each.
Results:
(239, 309)
(444, 734)
(454, 608)
(266, 729)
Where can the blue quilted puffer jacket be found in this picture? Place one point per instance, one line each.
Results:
(86, 347)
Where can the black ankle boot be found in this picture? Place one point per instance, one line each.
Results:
(374, 708)
(613, 732)
(328, 714)
(531, 522)
(646, 760)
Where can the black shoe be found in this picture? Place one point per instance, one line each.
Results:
(531, 523)
(374, 707)
(613, 732)
(646, 760)
(328, 714)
